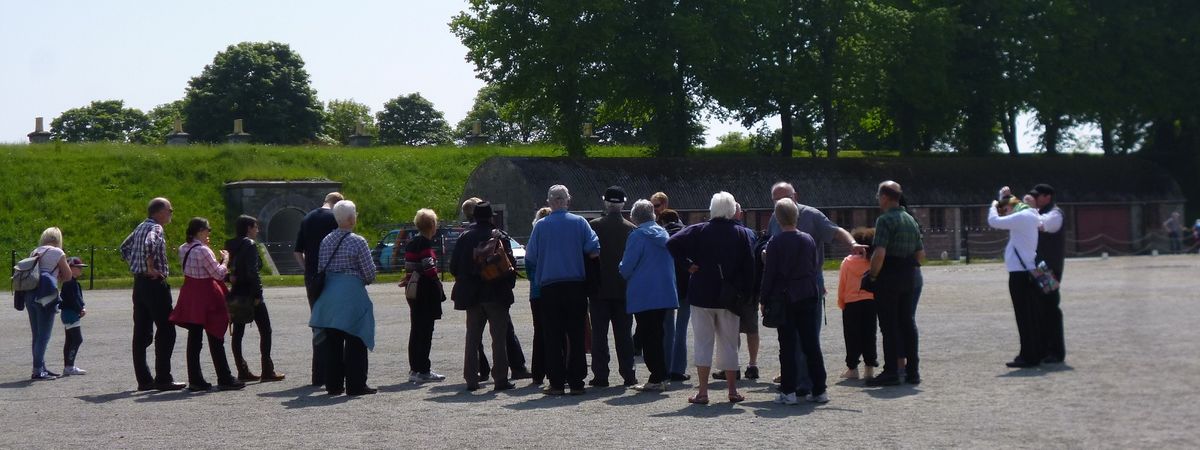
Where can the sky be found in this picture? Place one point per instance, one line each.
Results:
(56, 55)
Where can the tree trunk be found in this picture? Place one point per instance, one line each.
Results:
(785, 129)
(1052, 123)
(829, 126)
(1106, 136)
(1008, 128)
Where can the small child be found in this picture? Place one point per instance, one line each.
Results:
(72, 312)
(858, 309)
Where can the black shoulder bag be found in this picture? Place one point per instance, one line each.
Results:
(318, 281)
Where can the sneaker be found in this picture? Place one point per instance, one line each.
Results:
(413, 377)
(43, 375)
(720, 374)
(786, 399)
(884, 379)
(629, 382)
(851, 374)
(55, 375)
(751, 372)
(72, 370)
(679, 377)
(869, 373)
(431, 376)
(822, 398)
(778, 379)
(550, 390)
(651, 387)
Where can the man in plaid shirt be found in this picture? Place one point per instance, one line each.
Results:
(145, 249)
(898, 250)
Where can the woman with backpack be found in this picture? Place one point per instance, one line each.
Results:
(247, 286)
(201, 307)
(41, 302)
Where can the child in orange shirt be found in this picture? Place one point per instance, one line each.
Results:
(858, 309)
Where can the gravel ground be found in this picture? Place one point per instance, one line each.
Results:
(1130, 381)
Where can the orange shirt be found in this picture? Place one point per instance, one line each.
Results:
(850, 280)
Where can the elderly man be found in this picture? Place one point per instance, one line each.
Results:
(898, 250)
(145, 249)
(813, 222)
(558, 246)
(609, 303)
(1051, 249)
(317, 224)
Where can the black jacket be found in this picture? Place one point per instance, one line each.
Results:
(469, 289)
(244, 267)
(612, 230)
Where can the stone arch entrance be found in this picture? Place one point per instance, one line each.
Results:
(279, 207)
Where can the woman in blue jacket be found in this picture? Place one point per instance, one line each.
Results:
(649, 271)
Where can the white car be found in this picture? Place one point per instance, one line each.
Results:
(518, 253)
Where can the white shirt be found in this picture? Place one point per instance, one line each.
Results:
(1052, 221)
(1022, 236)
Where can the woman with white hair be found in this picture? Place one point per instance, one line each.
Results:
(722, 271)
(42, 302)
(343, 317)
(649, 272)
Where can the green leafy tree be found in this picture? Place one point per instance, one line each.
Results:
(263, 83)
(102, 120)
(162, 121)
(342, 118)
(503, 123)
(412, 120)
(545, 53)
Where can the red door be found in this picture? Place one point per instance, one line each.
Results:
(1102, 229)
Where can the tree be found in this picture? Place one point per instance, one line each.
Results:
(162, 121)
(503, 123)
(102, 120)
(342, 118)
(547, 54)
(412, 120)
(263, 83)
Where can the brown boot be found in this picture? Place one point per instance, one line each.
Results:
(268, 371)
(244, 373)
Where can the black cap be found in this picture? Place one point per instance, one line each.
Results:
(483, 210)
(614, 194)
(1042, 189)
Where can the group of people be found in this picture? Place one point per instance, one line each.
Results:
(586, 278)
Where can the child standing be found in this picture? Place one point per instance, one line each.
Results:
(858, 309)
(72, 312)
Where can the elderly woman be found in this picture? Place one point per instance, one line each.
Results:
(201, 307)
(721, 262)
(649, 272)
(243, 275)
(790, 272)
(42, 302)
(343, 317)
(420, 260)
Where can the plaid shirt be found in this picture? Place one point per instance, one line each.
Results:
(897, 232)
(353, 257)
(146, 239)
(201, 263)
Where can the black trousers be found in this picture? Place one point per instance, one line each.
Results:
(345, 361)
(318, 351)
(216, 349)
(899, 329)
(1025, 296)
(152, 325)
(858, 328)
(537, 367)
(262, 320)
(1051, 318)
(801, 330)
(564, 308)
(650, 332)
(423, 315)
(604, 312)
(516, 356)
(71, 346)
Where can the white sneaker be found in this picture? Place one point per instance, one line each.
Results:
(417, 377)
(786, 399)
(414, 377)
(823, 398)
(73, 370)
(651, 387)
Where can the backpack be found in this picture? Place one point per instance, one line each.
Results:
(491, 258)
(26, 274)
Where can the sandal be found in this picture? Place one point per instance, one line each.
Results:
(734, 398)
(698, 399)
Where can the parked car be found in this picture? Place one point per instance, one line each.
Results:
(389, 252)
(518, 253)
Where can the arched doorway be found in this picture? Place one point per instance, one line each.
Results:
(284, 226)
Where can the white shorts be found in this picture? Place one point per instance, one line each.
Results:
(715, 327)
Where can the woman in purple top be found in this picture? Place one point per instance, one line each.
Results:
(791, 269)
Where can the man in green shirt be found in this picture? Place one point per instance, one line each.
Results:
(898, 248)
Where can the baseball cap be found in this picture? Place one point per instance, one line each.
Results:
(614, 194)
(75, 261)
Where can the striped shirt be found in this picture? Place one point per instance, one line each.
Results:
(201, 263)
(147, 239)
(353, 257)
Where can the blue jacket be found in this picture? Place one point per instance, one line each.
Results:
(649, 270)
(72, 301)
(558, 245)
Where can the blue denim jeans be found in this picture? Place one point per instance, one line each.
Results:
(41, 323)
(675, 326)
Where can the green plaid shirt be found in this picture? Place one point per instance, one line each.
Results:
(897, 232)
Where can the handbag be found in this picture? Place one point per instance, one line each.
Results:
(729, 297)
(1041, 275)
(318, 280)
(774, 312)
(411, 285)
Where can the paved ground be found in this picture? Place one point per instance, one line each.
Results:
(1131, 380)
